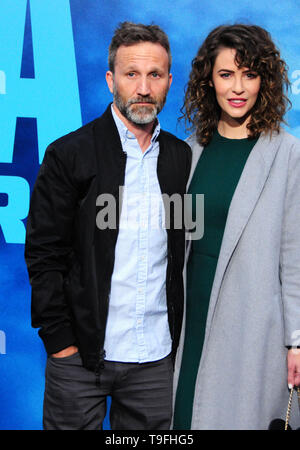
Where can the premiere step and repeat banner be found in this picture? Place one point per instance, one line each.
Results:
(53, 60)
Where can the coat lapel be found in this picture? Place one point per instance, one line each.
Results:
(197, 149)
(246, 195)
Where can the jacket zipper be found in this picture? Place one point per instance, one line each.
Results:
(101, 353)
(171, 302)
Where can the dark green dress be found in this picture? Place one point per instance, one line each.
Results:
(216, 176)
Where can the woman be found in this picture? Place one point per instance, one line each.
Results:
(243, 277)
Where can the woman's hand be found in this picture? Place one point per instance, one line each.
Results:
(293, 363)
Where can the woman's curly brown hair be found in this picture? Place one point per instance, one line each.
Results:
(254, 50)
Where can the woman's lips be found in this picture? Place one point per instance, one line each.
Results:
(237, 102)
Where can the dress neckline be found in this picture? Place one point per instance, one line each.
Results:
(219, 137)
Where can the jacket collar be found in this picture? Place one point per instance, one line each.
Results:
(106, 132)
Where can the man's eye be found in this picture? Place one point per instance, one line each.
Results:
(155, 74)
(131, 74)
(225, 75)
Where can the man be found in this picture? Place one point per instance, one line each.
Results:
(108, 299)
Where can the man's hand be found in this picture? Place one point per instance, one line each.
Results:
(68, 351)
(293, 362)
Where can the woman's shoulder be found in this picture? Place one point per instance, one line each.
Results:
(286, 141)
(289, 139)
(193, 142)
(289, 145)
(195, 147)
(191, 139)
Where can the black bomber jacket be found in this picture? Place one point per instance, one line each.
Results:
(69, 259)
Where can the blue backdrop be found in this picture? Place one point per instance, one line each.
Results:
(53, 59)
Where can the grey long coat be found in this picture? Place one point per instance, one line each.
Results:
(254, 309)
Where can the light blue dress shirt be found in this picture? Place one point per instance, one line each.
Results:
(137, 327)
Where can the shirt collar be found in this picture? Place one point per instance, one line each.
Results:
(126, 134)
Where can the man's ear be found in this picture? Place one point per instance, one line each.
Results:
(110, 80)
(170, 79)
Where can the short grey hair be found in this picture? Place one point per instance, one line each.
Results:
(129, 33)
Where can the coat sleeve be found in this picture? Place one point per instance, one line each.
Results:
(48, 248)
(290, 251)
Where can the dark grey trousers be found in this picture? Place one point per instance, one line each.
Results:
(141, 395)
